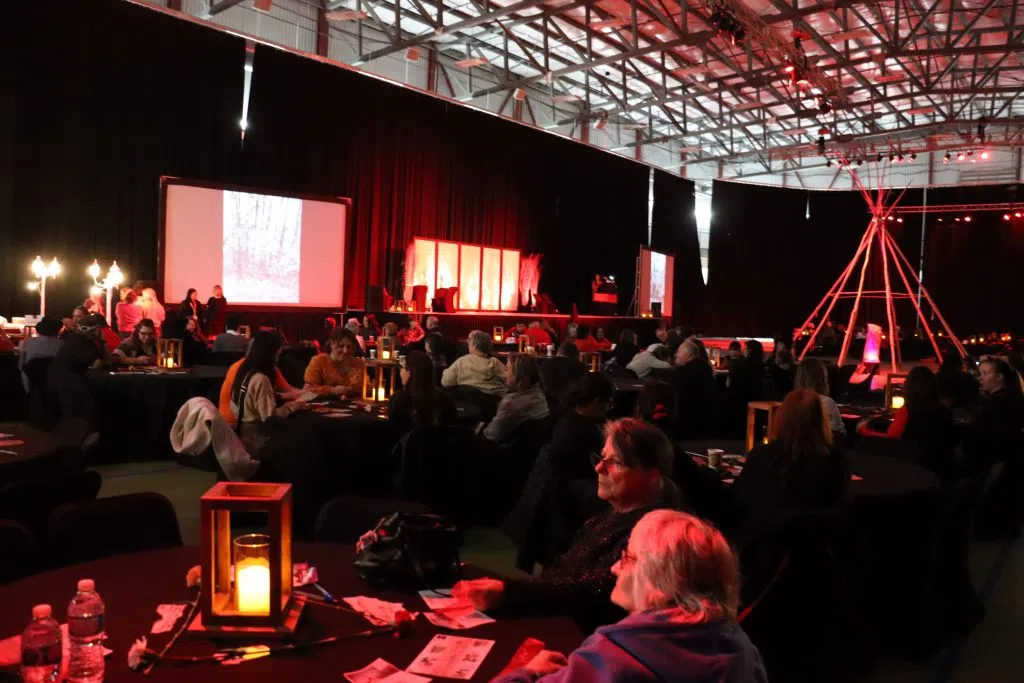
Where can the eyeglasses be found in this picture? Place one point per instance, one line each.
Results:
(596, 459)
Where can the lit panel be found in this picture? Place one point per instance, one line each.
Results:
(510, 280)
(424, 268)
(469, 278)
(490, 285)
(447, 265)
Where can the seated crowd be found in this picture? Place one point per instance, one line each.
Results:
(642, 539)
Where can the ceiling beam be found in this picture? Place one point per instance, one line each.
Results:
(218, 7)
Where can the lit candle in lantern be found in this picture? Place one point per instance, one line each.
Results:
(380, 394)
(497, 337)
(385, 355)
(897, 402)
(252, 584)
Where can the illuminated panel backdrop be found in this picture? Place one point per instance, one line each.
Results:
(487, 277)
(657, 273)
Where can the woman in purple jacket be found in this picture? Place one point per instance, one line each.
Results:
(679, 581)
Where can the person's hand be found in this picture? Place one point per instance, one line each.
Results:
(338, 391)
(547, 662)
(145, 360)
(294, 406)
(482, 594)
(290, 395)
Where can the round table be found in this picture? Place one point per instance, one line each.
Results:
(132, 586)
(137, 409)
(35, 455)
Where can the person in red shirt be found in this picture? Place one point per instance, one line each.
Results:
(601, 342)
(539, 336)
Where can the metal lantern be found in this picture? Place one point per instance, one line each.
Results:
(715, 357)
(245, 331)
(591, 360)
(379, 380)
(386, 348)
(168, 353)
(525, 343)
(499, 334)
(247, 579)
(894, 390)
(753, 407)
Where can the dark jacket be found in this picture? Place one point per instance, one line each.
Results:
(696, 397)
(659, 646)
(402, 411)
(997, 428)
(230, 343)
(623, 353)
(558, 374)
(216, 311)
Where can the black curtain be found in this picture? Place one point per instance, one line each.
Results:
(674, 231)
(98, 121)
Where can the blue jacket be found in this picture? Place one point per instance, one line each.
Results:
(658, 646)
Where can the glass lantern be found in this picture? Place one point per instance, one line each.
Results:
(753, 408)
(498, 335)
(245, 331)
(591, 360)
(386, 348)
(379, 380)
(525, 343)
(247, 578)
(168, 353)
(894, 390)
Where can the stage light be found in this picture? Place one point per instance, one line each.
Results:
(1006, 216)
(899, 220)
(33, 286)
(957, 219)
(889, 217)
(1016, 214)
(967, 219)
(789, 68)
(984, 155)
(946, 158)
(899, 159)
(892, 157)
(828, 163)
(860, 161)
(879, 158)
(243, 124)
(960, 156)
(913, 156)
(821, 144)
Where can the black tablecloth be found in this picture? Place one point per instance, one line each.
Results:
(137, 409)
(37, 456)
(133, 585)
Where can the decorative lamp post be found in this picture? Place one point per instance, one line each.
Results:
(255, 601)
(110, 282)
(43, 272)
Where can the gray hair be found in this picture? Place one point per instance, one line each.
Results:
(481, 341)
(572, 330)
(691, 348)
(432, 321)
(684, 561)
(352, 324)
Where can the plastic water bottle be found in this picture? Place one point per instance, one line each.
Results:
(41, 649)
(85, 634)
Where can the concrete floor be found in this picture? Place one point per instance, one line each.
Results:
(992, 653)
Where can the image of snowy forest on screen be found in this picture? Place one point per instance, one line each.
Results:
(262, 247)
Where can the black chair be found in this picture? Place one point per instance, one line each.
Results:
(487, 403)
(345, 518)
(88, 530)
(507, 474)
(43, 406)
(223, 358)
(435, 467)
(20, 556)
(32, 501)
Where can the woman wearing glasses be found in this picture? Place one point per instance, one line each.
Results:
(679, 581)
(633, 477)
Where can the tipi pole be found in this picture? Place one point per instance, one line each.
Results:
(860, 288)
(913, 299)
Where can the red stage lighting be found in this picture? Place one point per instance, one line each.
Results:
(789, 69)
(967, 219)
(899, 220)
(1016, 214)
(1006, 216)
(889, 217)
(961, 156)
(984, 155)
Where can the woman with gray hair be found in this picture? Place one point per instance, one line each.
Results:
(477, 369)
(633, 473)
(679, 580)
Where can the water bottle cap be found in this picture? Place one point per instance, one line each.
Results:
(86, 586)
(41, 611)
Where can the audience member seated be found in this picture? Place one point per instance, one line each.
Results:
(558, 374)
(338, 372)
(546, 326)
(626, 349)
(478, 369)
(419, 403)
(799, 470)
(284, 390)
(434, 346)
(998, 436)
(390, 330)
(352, 325)
(696, 392)
(231, 341)
(578, 433)
(924, 421)
(735, 356)
(539, 335)
(140, 348)
(678, 580)
(151, 308)
(325, 334)
(252, 390)
(701, 486)
(370, 330)
(82, 349)
(813, 375)
(572, 332)
(956, 386)
(128, 313)
(746, 384)
(45, 344)
(655, 356)
(411, 334)
(660, 334)
(525, 400)
(186, 328)
(782, 373)
(633, 473)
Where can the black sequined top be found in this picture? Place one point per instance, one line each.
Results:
(579, 583)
